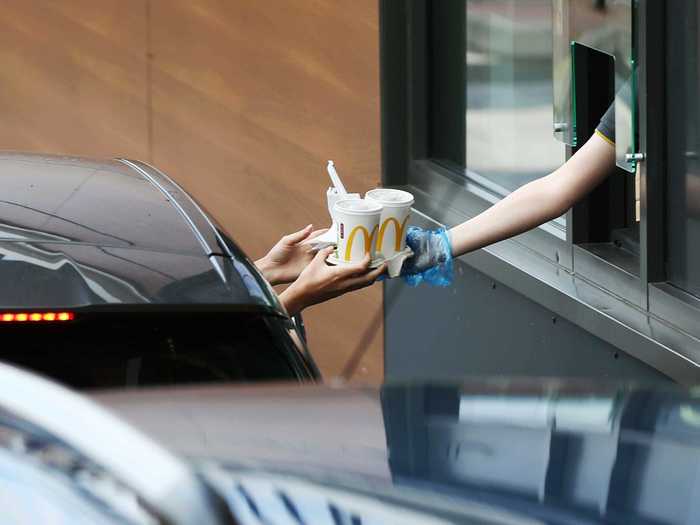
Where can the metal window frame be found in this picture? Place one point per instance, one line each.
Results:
(462, 195)
(663, 298)
(620, 307)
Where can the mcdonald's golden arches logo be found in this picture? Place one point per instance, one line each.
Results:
(399, 229)
(367, 237)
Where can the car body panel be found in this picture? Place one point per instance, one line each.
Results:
(77, 232)
(58, 275)
(552, 452)
(225, 422)
(67, 199)
(207, 233)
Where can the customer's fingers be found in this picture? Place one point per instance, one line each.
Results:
(316, 233)
(322, 255)
(362, 281)
(374, 274)
(371, 276)
(299, 236)
(356, 268)
(364, 278)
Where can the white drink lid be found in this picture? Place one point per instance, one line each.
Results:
(358, 207)
(390, 197)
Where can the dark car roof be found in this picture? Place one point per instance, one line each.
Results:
(553, 451)
(80, 232)
(73, 200)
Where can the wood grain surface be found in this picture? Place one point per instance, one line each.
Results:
(72, 77)
(240, 101)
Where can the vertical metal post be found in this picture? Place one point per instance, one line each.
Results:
(651, 40)
(393, 59)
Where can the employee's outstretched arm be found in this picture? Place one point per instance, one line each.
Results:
(528, 207)
(538, 201)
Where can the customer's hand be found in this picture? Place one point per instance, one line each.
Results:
(320, 282)
(288, 258)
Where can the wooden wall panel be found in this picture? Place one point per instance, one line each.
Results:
(242, 101)
(249, 101)
(73, 77)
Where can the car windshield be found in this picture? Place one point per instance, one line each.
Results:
(113, 351)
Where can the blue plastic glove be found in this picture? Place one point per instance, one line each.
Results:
(432, 257)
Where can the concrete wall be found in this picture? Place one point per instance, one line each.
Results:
(241, 101)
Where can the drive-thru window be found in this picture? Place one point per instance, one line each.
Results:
(482, 96)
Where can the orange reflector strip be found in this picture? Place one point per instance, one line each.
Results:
(21, 317)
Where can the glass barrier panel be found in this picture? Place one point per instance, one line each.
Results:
(609, 26)
(509, 93)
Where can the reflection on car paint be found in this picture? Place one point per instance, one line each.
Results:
(78, 232)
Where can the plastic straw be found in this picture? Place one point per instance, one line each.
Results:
(335, 178)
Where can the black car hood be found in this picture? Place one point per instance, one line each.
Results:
(552, 452)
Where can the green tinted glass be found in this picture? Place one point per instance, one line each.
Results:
(605, 26)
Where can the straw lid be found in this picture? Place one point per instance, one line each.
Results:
(390, 198)
(358, 206)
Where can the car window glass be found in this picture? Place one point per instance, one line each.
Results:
(148, 351)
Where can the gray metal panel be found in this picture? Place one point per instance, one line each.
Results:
(606, 268)
(480, 327)
(584, 303)
(680, 307)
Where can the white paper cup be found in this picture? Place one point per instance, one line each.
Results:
(332, 196)
(357, 225)
(396, 210)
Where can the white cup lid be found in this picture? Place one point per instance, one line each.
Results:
(358, 207)
(390, 197)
